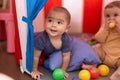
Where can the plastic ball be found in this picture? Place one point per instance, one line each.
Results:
(46, 63)
(41, 60)
(103, 70)
(84, 75)
(112, 24)
(90, 43)
(75, 78)
(58, 74)
(94, 72)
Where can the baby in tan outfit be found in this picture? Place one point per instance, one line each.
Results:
(108, 37)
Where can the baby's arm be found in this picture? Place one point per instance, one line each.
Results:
(65, 63)
(35, 73)
(102, 34)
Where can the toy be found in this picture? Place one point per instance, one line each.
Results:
(94, 72)
(84, 75)
(41, 60)
(90, 43)
(46, 63)
(75, 78)
(112, 24)
(58, 74)
(103, 70)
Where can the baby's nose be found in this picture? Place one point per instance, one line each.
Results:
(54, 24)
(112, 18)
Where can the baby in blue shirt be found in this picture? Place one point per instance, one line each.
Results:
(63, 51)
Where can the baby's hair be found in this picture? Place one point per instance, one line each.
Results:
(62, 9)
(113, 4)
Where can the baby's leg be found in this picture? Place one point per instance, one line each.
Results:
(99, 51)
(116, 74)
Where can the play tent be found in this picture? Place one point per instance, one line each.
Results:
(86, 18)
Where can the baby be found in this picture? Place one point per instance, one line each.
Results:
(53, 39)
(108, 37)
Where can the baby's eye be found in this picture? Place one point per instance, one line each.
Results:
(115, 14)
(49, 20)
(107, 15)
(59, 22)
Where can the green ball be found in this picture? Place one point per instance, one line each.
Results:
(90, 43)
(58, 74)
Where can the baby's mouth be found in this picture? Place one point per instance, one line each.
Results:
(53, 30)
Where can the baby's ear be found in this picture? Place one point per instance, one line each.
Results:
(67, 29)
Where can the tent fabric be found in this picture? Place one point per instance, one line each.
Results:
(33, 8)
(18, 53)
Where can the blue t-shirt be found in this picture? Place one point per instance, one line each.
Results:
(42, 43)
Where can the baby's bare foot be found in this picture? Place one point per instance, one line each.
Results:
(116, 75)
(86, 66)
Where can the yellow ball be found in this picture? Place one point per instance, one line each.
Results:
(103, 70)
(84, 75)
(112, 24)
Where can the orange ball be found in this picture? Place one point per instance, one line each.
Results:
(103, 70)
(84, 75)
(112, 24)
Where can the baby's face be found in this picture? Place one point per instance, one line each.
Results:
(112, 15)
(56, 23)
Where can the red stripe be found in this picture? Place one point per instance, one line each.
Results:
(92, 15)
(52, 3)
(18, 53)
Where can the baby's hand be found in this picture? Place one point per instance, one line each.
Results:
(107, 26)
(36, 74)
(66, 75)
(114, 26)
(110, 25)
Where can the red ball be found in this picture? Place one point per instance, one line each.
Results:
(41, 60)
(94, 72)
